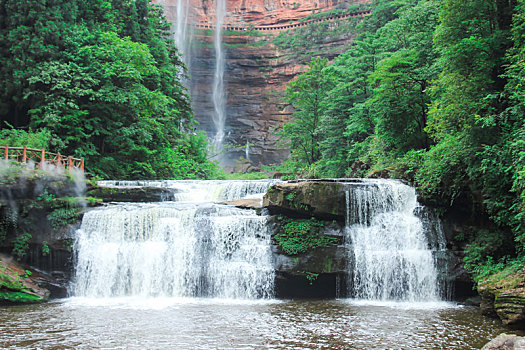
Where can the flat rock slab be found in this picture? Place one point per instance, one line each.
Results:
(251, 203)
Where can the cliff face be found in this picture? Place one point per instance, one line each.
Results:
(259, 64)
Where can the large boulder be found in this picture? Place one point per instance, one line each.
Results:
(506, 342)
(322, 199)
(503, 295)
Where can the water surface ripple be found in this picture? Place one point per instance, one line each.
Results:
(214, 324)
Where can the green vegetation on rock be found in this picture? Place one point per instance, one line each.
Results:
(12, 288)
(298, 236)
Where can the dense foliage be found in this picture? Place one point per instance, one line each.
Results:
(431, 91)
(101, 80)
(298, 236)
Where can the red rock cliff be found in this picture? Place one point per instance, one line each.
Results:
(259, 63)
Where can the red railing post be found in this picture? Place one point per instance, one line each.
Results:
(6, 153)
(69, 162)
(24, 155)
(42, 158)
(82, 164)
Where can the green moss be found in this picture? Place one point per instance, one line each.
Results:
(301, 235)
(327, 265)
(12, 288)
(63, 216)
(511, 277)
(21, 244)
(19, 297)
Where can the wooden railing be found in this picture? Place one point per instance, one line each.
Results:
(40, 157)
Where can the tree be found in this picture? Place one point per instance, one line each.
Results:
(306, 94)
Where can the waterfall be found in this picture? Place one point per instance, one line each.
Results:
(219, 98)
(392, 256)
(247, 150)
(203, 190)
(176, 248)
(183, 31)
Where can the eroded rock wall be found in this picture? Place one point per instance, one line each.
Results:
(257, 66)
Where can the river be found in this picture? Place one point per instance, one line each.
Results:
(188, 273)
(127, 323)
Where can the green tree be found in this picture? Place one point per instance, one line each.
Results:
(306, 94)
(103, 77)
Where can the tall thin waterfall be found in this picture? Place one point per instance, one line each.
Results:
(177, 248)
(183, 30)
(219, 98)
(392, 256)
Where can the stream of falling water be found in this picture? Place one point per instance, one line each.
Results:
(393, 259)
(189, 247)
(219, 98)
(183, 31)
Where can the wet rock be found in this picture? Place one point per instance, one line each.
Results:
(503, 295)
(322, 199)
(244, 166)
(321, 260)
(17, 286)
(506, 342)
(132, 194)
(252, 203)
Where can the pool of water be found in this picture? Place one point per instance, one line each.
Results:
(127, 323)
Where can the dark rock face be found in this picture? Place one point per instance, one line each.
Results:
(40, 210)
(132, 194)
(319, 273)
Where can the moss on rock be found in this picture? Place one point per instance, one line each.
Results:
(16, 286)
(503, 295)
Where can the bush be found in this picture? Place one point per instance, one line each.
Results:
(18, 138)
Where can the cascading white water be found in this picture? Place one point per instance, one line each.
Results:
(176, 249)
(203, 190)
(219, 98)
(392, 257)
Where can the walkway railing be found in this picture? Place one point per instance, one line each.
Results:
(41, 157)
(281, 27)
